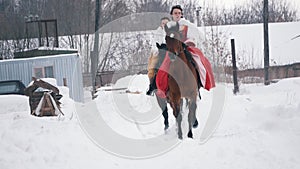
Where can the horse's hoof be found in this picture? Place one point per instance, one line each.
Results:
(166, 126)
(180, 137)
(190, 134)
(195, 125)
(149, 93)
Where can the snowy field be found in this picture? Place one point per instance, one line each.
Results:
(259, 128)
(284, 40)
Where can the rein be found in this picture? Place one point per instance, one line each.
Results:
(172, 35)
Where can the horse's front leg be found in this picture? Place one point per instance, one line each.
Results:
(176, 105)
(192, 117)
(179, 119)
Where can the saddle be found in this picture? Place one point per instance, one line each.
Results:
(194, 55)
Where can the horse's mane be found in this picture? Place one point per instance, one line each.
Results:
(162, 49)
(172, 26)
(187, 53)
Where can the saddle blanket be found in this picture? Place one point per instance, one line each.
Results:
(202, 65)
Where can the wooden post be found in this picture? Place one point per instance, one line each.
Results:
(56, 34)
(27, 36)
(40, 33)
(234, 68)
(94, 57)
(46, 32)
(266, 41)
(65, 81)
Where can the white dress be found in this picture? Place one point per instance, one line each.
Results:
(193, 33)
(158, 37)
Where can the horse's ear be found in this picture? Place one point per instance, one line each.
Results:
(157, 45)
(163, 46)
(184, 45)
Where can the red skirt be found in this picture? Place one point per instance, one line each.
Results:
(203, 66)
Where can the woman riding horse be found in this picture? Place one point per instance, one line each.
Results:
(185, 32)
(182, 77)
(190, 34)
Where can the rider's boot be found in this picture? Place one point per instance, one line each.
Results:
(152, 86)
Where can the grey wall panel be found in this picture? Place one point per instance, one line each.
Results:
(64, 66)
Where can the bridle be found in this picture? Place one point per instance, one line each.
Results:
(172, 35)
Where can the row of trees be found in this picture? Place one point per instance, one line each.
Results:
(249, 13)
(77, 16)
(76, 24)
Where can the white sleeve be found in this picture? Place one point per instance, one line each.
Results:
(158, 37)
(193, 33)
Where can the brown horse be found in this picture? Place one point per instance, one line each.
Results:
(182, 80)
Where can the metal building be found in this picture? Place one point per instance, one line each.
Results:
(65, 68)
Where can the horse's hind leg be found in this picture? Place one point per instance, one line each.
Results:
(192, 117)
(166, 121)
(195, 125)
(163, 105)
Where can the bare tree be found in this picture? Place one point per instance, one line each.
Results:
(112, 10)
(120, 50)
(151, 6)
(251, 12)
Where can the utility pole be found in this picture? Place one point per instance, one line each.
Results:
(95, 53)
(266, 41)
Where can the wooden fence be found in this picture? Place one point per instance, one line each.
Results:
(244, 76)
(107, 77)
(257, 75)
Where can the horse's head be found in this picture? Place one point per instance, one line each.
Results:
(161, 47)
(173, 40)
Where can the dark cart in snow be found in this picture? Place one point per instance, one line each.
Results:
(43, 98)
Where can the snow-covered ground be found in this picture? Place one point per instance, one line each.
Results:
(259, 128)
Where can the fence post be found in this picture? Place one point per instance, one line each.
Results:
(234, 68)
(65, 81)
(266, 41)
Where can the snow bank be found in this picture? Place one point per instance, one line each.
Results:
(259, 129)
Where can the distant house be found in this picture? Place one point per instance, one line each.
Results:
(65, 68)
